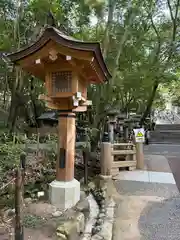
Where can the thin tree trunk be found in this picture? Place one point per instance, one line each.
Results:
(150, 102)
(17, 88)
(5, 92)
(123, 39)
(18, 83)
(111, 7)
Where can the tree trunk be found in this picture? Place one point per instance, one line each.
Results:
(16, 98)
(150, 102)
(18, 83)
(120, 48)
(111, 6)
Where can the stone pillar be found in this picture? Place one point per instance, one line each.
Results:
(111, 132)
(65, 190)
(106, 158)
(139, 156)
(126, 133)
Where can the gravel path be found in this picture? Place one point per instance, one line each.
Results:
(146, 211)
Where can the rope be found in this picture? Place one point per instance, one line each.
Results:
(12, 180)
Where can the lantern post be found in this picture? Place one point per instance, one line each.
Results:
(67, 66)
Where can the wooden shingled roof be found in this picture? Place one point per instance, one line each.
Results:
(53, 34)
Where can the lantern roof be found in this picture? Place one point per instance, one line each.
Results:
(89, 52)
(49, 115)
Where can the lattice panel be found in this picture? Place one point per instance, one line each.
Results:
(61, 82)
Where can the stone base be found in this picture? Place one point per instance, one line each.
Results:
(64, 195)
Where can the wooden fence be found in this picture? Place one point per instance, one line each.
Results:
(116, 157)
(18, 180)
(123, 157)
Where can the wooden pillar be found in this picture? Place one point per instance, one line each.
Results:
(106, 159)
(66, 147)
(139, 156)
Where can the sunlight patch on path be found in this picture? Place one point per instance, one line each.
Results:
(146, 176)
(128, 214)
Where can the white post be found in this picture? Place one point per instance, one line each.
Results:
(139, 139)
(139, 156)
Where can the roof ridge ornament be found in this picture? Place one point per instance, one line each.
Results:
(51, 22)
(51, 19)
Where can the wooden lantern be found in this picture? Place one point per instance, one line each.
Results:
(67, 66)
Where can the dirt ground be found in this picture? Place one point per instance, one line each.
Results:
(39, 222)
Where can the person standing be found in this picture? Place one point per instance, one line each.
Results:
(147, 136)
(153, 125)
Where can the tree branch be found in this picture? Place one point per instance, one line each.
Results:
(170, 10)
(158, 39)
(174, 25)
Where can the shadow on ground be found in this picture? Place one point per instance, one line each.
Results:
(160, 220)
(143, 213)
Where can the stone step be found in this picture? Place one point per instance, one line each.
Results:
(168, 127)
(165, 131)
(165, 136)
(164, 140)
(159, 142)
(170, 135)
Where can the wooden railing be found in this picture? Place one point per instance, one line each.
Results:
(116, 157)
(123, 156)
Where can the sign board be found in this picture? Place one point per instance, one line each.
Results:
(139, 135)
(62, 158)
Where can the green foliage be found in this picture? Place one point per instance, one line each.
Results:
(9, 155)
(9, 161)
(139, 41)
(172, 91)
(39, 172)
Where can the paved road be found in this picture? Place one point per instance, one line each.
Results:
(171, 152)
(150, 211)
